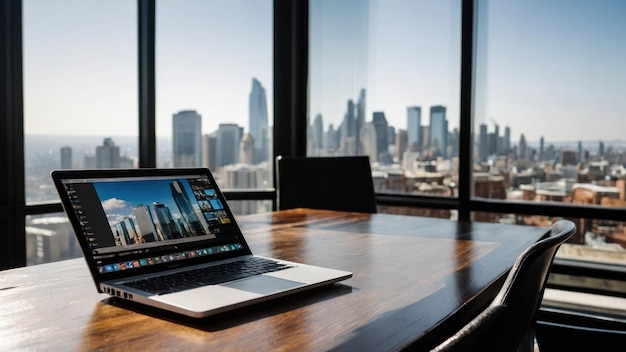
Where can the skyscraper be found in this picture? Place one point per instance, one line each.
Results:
(196, 225)
(507, 140)
(145, 224)
(601, 148)
(580, 151)
(187, 139)
(380, 124)
(228, 142)
(360, 119)
(107, 155)
(258, 121)
(522, 147)
(483, 143)
(391, 135)
(209, 150)
(318, 132)
(332, 139)
(368, 141)
(401, 144)
(122, 234)
(496, 142)
(413, 127)
(439, 130)
(246, 149)
(347, 133)
(66, 157)
(453, 143)
(348, 124)
(166, 222)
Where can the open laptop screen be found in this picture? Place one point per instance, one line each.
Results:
(141, 223)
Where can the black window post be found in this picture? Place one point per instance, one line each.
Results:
(147, 101)
(12, 195)
(467, 82)
(291, 44)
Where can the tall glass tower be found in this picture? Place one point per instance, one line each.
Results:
(196, 225)
(187, 139)
(258, 121)
(483, 143)
(66, 157)
(107, 155)
(318, 132)
(228, 141)
(439, 130)
(414, 127)
(380, 124)
(166, 221)
(360, 120)
(145, 224)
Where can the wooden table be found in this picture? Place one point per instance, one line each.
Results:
(415, 280)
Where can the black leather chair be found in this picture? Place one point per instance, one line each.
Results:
(479, 334)
(333, 183)
(521, 294)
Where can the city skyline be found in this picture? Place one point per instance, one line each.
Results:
(565, 69)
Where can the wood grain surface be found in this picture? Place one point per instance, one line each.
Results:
(415, 280)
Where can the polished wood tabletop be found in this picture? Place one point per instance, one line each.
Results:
(415, 280)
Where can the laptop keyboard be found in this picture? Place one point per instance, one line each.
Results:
(211, 275)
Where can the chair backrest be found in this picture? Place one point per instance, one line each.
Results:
(334, 183)
(523, 288)
(479, 334)
(521, 294)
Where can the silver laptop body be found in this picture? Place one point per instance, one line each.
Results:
(135, 225)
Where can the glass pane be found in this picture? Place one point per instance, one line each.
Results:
(50, 238)
(80, 88)
(247, 207)
(214, 69)
(547, 114)
(549, 99)
(384, 82)
(595, 241)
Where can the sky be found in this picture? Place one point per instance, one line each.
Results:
(544, 68)
(557, 68)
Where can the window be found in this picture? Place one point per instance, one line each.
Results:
(214, 91)
(384, 82)
(549, 87)
(80, 88)
(530, 82)
(80, 103)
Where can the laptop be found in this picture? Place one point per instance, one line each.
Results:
(167, 238)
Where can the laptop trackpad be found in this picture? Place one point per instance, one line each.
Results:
(263, 284)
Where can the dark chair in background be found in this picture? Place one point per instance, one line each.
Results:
(333, 183)
(521, 294)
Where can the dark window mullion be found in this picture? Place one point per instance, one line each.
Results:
(147, 101)
(465, 130)
(291, 42)
(12, 195)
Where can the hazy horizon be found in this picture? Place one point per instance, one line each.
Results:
(97, 139)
